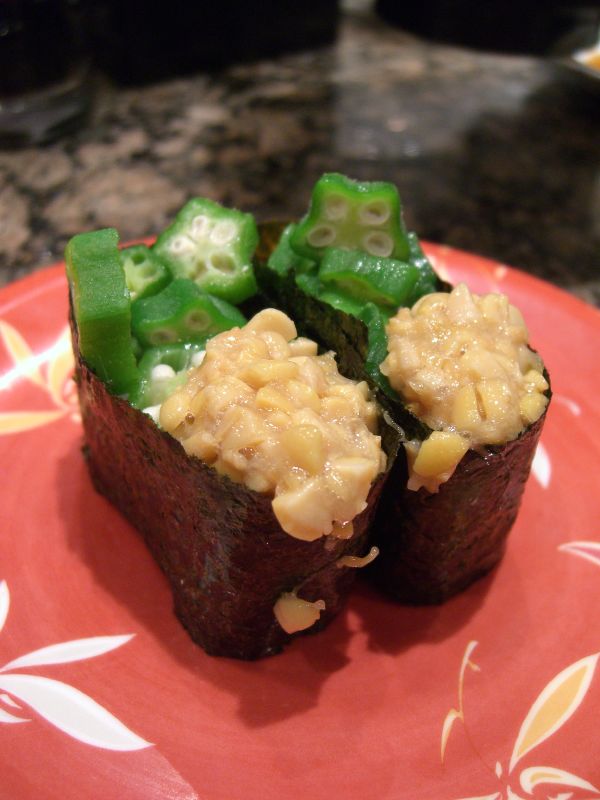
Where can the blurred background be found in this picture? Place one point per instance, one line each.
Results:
(113, 113)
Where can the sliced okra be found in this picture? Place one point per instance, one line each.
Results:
(343, 302)
(312, 285)
(352, 215)
(145, 273)
(309, 283)
(212, 246)
(102, 307)
(384, 281)
(284, 258)
(376, 321)
(162, 369)
(182, 312)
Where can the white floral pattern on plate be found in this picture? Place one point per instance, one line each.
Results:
(64, 706)
(557, 703)
(590, 551)
(55, 380)
(541, 467)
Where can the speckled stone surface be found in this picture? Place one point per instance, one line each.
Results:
(494, 154)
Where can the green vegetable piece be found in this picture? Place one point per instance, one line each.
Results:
(428, 281)
(156, 385)
(310, 284)
(343, 302)
(284, 259)
(384, 281)
(137, 349)
(376, 321)
(182, 312)
(352, 215)
(213, 246)
(102, 307)
(144, 272)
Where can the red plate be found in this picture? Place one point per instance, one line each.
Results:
(496, 694)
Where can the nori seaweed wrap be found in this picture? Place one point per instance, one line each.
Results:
(432, 544)
(219, 543)
(240, 575)
(224, 553)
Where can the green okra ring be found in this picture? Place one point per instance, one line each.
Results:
(154, 389)
(102, 307)
(352, 215)
(384, 281)
(182, 312)
(145, 274)
(213, 246)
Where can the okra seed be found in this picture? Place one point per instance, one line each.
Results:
(336, 207)
(199, 226)
(163, 336)
(138, 258)
(321, 236)
(197, 320)
(223, 262)
(223, 232)
(199, 269)
(181, 244)
(375, 213)
(378, 244)
(148, 271)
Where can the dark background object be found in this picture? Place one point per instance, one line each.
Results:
(138, 42)
(40, 41)
(495, 154)
(43, 70)
(529, 26)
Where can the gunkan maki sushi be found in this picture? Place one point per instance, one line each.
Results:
(453, 371)
(250, 465)
(266, 444)
(462, 365)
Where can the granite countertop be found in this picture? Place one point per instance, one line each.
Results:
(495, 154)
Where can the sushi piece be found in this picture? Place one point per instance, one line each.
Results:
(256, 490)
(454, 372)
(463, 366)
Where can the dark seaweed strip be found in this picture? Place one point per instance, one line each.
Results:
(434, 545)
